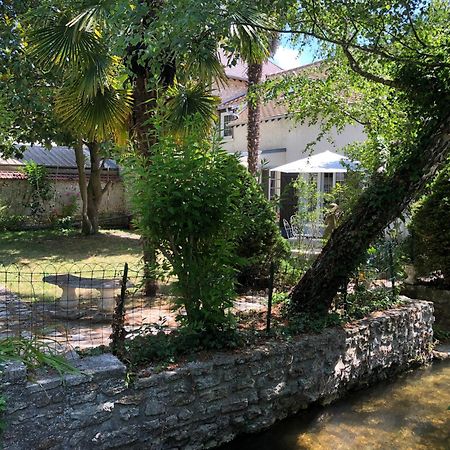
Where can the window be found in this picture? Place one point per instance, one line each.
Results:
(340, 178)
(225, 118)
(327, 182)
(265, 182)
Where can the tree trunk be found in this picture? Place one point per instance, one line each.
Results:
(143, 132)
(144, 139)
(254, 73)
(94, 188)
(86, 225)
(91, 191)
(381, 203)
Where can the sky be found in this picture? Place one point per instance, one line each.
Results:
(288, 57)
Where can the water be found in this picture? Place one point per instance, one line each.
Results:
(407, 413)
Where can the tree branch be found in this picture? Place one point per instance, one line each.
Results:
(345, 43)
(413, 28)
(354, 65)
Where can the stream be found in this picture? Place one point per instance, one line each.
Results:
(409, 412)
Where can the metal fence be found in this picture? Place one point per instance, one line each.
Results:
(72, 306)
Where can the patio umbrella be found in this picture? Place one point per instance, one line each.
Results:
(322, 162)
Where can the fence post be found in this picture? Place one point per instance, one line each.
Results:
(118, 322)
(269, 298)
(391, 268)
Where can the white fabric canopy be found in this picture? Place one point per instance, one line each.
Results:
(322, 162)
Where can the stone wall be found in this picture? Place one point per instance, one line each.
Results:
(203, 404)
(15, 194)
(439, 297)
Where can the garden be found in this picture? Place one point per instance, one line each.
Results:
(203, 275)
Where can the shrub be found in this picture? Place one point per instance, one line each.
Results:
(430, 228)
(188, 205)
(8, 221)
(362, 301)
(40, 187)
(208, 217)
(260, 242)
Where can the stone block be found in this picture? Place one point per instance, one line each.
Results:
(154, 407)
(13, 372)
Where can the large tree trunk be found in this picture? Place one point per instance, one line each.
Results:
(381, 203)
(143, 132)
(144, 139)
(254, 73)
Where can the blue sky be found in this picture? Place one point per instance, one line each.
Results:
(288, 57)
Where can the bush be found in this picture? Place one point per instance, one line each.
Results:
(40, 187)
(362, 301)
(260, 242)
(10, 222)
(188, 205)
(430, 228)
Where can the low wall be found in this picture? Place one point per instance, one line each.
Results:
(203, 404)
(15, 194)
(439, 297)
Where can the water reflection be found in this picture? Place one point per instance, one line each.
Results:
(409, 413)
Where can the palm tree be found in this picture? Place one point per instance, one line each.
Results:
(254, 47)
(184, 87)
(89, 104)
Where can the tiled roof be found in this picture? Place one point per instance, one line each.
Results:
(12, 175)
(295, 70)
(271, 110)
(239, 70)
(236, 100)
(268, 111)
(61, 157)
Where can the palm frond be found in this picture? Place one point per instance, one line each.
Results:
(61, 46)
(190, 105)
(95, 77)
(90, 17)
(252, 44)
(101, 117)
(203, 62)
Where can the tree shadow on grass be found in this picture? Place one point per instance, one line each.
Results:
(56, 247)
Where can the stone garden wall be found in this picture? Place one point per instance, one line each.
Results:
(203, 404)
(15, 194)
(439, 297)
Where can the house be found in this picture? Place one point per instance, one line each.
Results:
(282, 140)
(63, 175)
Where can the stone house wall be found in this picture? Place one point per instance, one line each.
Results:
(203, 404)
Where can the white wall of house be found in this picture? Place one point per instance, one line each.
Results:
(283, 133)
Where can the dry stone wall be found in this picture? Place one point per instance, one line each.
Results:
(439, 297)
(203, 404)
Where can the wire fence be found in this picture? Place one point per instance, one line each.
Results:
(73, 305)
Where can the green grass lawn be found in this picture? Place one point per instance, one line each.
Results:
(26, 255)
